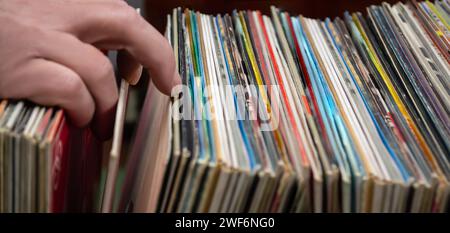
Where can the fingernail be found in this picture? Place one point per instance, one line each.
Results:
(133, 79)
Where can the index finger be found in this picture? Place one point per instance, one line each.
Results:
(120, 27)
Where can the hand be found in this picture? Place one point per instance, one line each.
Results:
(50, 54)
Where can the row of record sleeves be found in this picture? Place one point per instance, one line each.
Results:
(336, 115)
(278, 113)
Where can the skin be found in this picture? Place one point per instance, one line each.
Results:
(51, 54)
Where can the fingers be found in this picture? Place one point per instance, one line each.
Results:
(95, 70)
(51, 84)
(116, 23)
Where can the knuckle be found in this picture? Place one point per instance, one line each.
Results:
(128, 15)
(37, 40)
(120, 3)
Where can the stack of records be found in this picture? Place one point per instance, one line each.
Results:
(292, 114)
(46, 165)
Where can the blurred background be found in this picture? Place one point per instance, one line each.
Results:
(155, 10)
